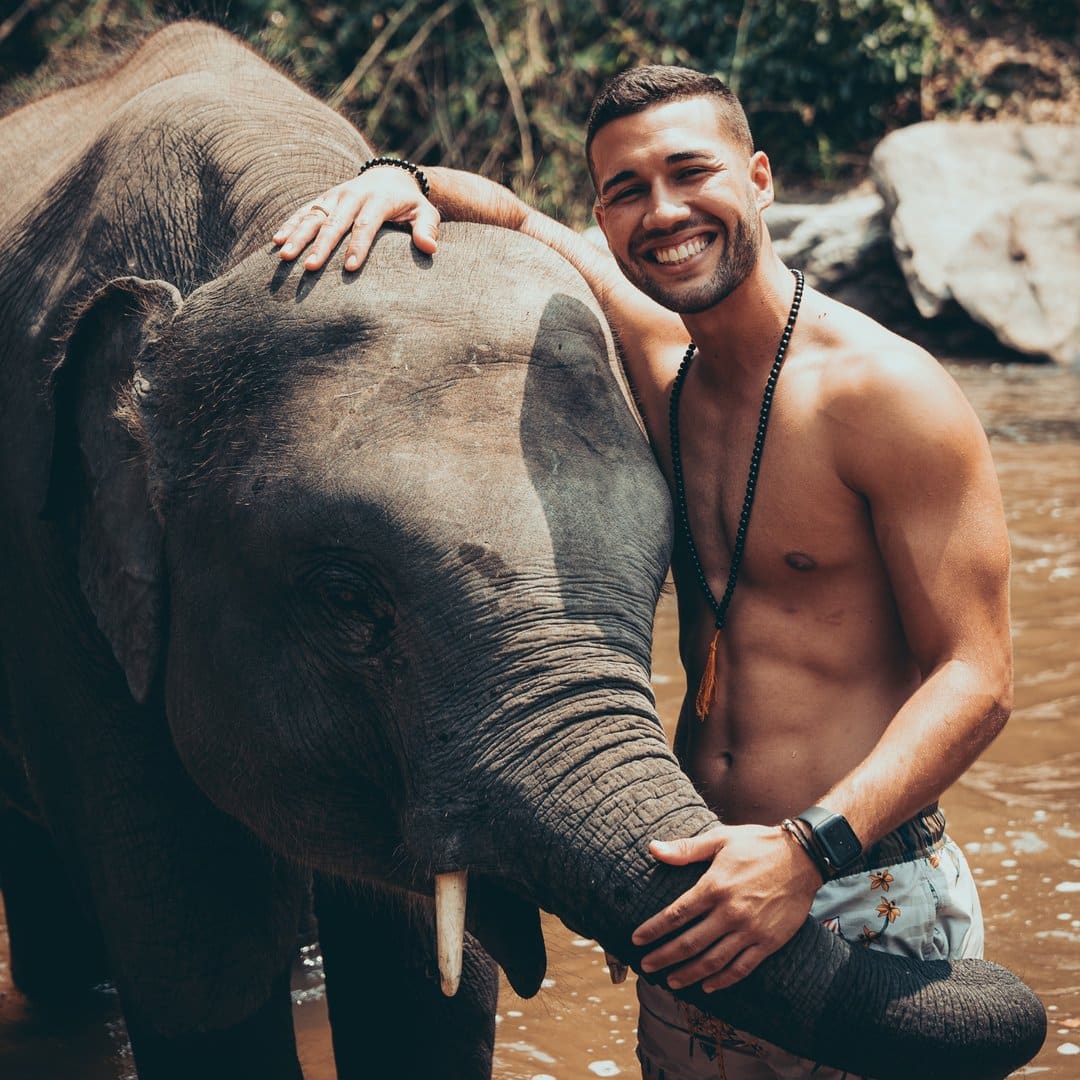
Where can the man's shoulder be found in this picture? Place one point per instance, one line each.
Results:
(885, 402)
(860, 363)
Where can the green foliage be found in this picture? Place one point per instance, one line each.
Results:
(820, 78)
(1058, 19)
(503, 86)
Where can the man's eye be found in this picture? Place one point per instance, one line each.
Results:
(625, 194)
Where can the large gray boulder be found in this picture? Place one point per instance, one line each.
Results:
(843, 247)
(987, 216)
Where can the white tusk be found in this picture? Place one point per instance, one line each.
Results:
(616, 968)
(450, 894)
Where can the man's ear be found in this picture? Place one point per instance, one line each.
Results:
(598, 213)
(762, 179)
(98, 473)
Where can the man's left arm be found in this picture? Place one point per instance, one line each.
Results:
(939, 525)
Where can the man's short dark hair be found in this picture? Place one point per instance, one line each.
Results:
(639, 88)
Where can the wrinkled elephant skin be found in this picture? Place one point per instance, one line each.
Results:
(345, 579)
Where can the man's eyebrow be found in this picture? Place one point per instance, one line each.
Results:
(671, 159)
(618, 178)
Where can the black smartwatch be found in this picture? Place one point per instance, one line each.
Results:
(832, 837)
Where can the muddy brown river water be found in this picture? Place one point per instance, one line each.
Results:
(1016, 813)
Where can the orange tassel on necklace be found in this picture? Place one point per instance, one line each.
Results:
(706, 691)
(707, 688)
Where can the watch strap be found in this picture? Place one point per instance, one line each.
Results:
(836, 851)
(814, 816)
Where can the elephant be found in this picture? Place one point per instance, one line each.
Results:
(337, 589)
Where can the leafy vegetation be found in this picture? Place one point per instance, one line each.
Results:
(503, 86)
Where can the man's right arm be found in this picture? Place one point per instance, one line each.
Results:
(649, 335)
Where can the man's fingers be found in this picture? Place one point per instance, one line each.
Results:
(690, 849)
(360, 241)
(693, 941)
(688, 907)
(718, 964)
(294, 237)
(327, 238)
(285, 229)
(741, 966)
(302, 226)
(319, 226)
(313, 214)
(425, 231)
(300, 230)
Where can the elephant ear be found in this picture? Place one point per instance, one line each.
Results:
(99, 474)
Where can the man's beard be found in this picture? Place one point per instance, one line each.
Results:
(733, 268)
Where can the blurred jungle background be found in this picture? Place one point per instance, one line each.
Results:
(502, 87)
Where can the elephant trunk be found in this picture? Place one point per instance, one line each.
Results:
(587, 860)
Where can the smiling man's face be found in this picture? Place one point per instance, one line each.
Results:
(680, 202)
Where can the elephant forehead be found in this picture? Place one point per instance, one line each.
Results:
(543, 432)
(464, 392)
(408, 386)
(495, 470)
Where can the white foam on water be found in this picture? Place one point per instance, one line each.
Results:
(1027, 843)
(1067, 886)
(531, 1051)
(1065, 1048)
(604, 1068)
(976, 847)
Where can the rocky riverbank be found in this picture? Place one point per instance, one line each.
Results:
(966, 237)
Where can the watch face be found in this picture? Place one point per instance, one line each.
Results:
(838, 841)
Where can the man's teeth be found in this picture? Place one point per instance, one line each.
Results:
(682, 252)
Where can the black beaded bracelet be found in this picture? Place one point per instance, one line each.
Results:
(400, 163)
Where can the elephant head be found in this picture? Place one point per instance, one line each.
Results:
(388, 545)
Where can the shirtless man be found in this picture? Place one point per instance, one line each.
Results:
(865, 658)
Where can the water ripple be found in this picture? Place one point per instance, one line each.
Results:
(1052, 785)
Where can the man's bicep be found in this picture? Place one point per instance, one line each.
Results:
(947, 557)
(940, 526)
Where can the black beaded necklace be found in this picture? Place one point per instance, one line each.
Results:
(706, 692)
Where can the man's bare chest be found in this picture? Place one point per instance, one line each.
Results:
(798, 523)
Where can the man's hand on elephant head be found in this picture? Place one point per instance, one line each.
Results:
(361, 205)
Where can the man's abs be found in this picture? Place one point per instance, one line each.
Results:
(785, 728)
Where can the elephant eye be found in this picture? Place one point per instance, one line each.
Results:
(359, 622)
(349, 616)
(341, 596)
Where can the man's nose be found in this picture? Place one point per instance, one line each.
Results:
(665, 209)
